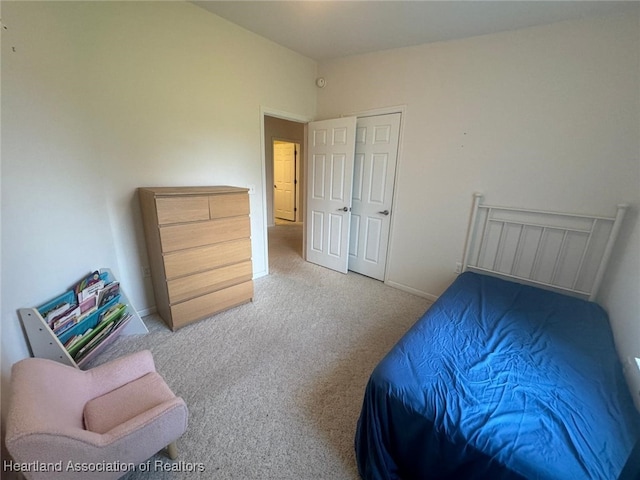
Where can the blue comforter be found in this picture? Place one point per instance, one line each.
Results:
(499, 381)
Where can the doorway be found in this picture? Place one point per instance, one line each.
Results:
(285, 180)
(282, 128)
(290, 128)
(284, 131)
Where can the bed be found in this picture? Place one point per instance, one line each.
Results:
(512, 373)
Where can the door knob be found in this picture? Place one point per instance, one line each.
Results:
(343, 209)
(384, 212)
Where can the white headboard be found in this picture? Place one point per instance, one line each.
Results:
(560, 251)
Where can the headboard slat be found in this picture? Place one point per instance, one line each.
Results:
(560, 251)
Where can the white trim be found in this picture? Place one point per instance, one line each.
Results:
(405, 288)
(378, 111)
(263, 273)
(265, 224)
(272, 112)
(145, 312)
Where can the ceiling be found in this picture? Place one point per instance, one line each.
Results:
(324, 30)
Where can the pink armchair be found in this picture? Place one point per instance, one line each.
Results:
(72, 422)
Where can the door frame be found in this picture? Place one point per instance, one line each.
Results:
(292, 117)
(402, 110)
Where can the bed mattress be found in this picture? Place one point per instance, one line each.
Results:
(498, 381)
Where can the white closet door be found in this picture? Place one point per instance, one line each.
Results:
(374, 176)
(331, 147)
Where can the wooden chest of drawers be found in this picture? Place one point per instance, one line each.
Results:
(199, 245)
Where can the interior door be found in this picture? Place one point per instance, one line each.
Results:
(331, 148)
(373, 181)
(284, 176)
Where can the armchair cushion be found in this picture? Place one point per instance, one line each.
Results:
(107, 411)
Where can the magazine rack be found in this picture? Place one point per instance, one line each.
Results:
(44, 343)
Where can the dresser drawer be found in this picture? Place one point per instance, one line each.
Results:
(182, 209)
(206, 305)
(178, 237)
(199, 259)
(198, 284)
(229, 205)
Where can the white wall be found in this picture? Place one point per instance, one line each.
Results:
(545, 117)
(100, 98)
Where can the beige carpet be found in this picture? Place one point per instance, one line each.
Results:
(274, 387)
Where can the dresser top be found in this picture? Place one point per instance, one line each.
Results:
(218, 189)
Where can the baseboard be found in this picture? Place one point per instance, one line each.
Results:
(411, 290)
(147, 311)
(263, 273)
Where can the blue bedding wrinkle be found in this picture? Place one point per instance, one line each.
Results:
(499, 381)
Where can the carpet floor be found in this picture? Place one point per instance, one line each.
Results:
(274, 387)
